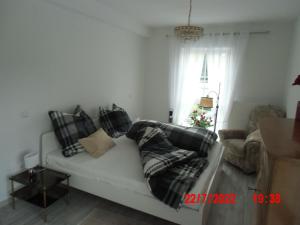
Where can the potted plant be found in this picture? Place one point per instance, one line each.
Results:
(199, 118)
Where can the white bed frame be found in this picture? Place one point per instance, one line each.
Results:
(120, 195)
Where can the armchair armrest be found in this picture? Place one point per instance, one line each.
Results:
(252, 148)
(232, 134)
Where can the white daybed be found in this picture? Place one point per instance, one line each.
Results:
(118, 176)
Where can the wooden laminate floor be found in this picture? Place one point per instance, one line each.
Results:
(82, 204)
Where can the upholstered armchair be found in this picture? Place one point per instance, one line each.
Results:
(241, 147)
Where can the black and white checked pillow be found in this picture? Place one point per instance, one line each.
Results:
(115, 122)
(69, 128)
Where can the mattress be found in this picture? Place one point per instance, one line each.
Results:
(122, 166)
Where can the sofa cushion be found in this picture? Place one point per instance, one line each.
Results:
(234, 147)
(254, 137)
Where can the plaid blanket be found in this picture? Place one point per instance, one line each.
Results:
(188, 138)
(170, 172)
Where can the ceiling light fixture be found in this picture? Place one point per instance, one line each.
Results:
(189, 32)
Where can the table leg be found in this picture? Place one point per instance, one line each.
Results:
(68, 194)
(45, 204)
(12, 191)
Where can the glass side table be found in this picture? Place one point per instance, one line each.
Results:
(42, 188)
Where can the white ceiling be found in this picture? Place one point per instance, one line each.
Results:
(155, 13)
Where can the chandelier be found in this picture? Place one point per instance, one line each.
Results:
(189, 32)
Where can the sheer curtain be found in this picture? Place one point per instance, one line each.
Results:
(184, 78)
(223, 55)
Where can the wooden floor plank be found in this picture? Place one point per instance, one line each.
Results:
(82, 204)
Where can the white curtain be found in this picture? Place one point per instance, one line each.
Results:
(223, 53)
(183, 79)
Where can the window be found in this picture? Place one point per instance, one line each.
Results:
(208, 68)
(204, 73)
(197, 68)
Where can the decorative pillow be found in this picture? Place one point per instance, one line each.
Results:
(84, 123)
(69, 128)
(97, 143)
(115, 122)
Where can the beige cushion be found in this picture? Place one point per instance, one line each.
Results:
(235, 147)
(254, 137)
(97, 143)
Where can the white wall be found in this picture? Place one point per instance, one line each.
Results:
(293, 92)
(53, 58)
(262, 77)
(156, 92)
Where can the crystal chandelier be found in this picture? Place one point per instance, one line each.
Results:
(189, 32)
